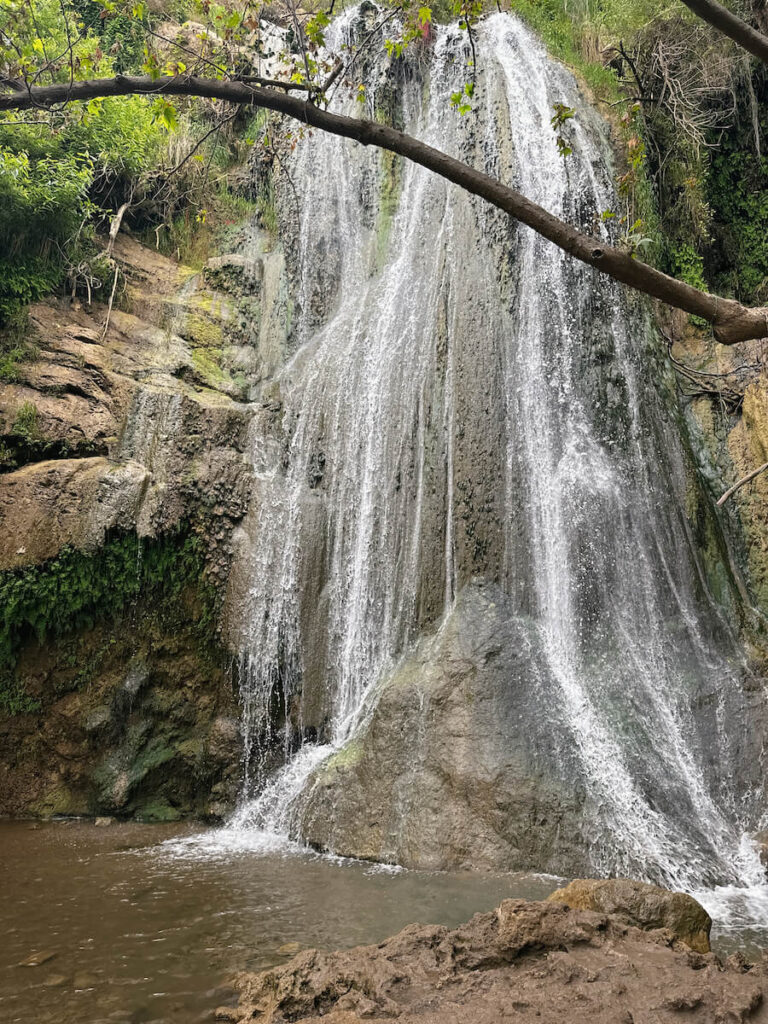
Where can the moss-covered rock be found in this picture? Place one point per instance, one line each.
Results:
(644, 906)
(128, 707)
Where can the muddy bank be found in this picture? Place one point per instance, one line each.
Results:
(542, 961)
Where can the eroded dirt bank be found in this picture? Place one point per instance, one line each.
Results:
(525, 961)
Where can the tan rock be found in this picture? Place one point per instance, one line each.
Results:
(84, 980)
(526, 961)
(37, 959)
(289, 948)
(642, 905)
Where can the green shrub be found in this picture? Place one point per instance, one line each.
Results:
(26, 425)
(14, 699)
(738, 192)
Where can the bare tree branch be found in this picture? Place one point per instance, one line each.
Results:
(114, 227)
(740, 483)
(731, 321)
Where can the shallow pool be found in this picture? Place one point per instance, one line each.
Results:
(148, 923)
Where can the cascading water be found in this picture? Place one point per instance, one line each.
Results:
(464, 400)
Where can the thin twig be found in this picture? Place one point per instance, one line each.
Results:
(109, 307)
(200, 141)
(740, 483)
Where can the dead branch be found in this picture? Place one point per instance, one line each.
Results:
(109, 307)
(740, 483)
(114, 227)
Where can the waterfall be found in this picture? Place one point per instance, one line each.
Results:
(465, 401)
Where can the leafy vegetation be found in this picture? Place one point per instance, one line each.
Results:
(737, 193)
(15, 347)
(77, 588)
(64, 174)
(695, 186)
(684, 101)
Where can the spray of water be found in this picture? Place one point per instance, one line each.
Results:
(408, 289)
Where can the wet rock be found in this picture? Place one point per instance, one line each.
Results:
(526, 960)
(103, 822)
(37, 959)
(450, 773)
(234, 270)
(85, 980)
(224, 737)
(289, 948)
(761, 839)
(641, 905)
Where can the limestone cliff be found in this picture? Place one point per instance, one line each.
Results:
(123, 476)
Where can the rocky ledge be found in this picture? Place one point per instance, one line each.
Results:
(525, 961)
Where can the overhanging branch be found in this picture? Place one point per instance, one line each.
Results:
(731, 322)
(732, 26)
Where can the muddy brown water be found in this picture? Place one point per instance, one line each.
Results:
(147, 924)
(140, 934)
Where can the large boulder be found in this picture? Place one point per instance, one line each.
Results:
(641, 905)
(453, 770)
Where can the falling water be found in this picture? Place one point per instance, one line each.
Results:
(464, 400)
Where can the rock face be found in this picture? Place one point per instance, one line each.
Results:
(446, 775)
(136, 428)
(644, 906)
(725, 400)
(124, 475)
(524, 961)
(133, 717)
(459, 764)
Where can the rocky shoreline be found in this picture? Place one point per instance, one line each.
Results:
(597, 951)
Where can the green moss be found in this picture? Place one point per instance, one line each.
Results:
(159, 811)
(207, 363)
(155, 754)
(14, 699)
(389, 198)
(202, 330)
(58, 800)
(349, 755)
(78, 588)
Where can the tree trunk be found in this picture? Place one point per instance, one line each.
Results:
(727, 23)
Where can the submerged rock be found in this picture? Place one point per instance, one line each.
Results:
(539, 961)
(642, 905)
(54, 981)
(38, 959)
